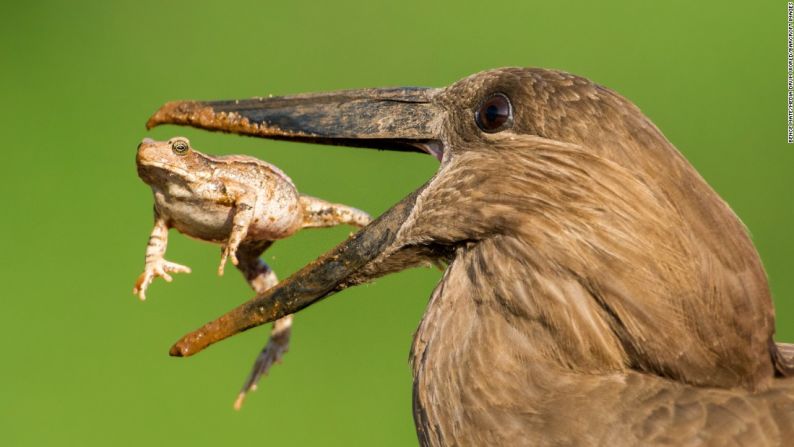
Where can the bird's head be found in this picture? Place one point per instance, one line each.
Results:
(569, 168)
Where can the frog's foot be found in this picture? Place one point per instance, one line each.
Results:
(228, 251)
(274, 350)
(158, 267)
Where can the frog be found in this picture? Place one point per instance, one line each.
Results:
(238, 202)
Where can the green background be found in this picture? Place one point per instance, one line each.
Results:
(85, 363)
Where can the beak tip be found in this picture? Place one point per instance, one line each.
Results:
(180, 350)
(203, 115)
(176, 112)
(153, 121)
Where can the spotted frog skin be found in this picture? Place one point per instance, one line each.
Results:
(239, 202)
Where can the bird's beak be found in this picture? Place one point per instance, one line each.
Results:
(396, 119)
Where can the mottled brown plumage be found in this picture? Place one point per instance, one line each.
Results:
(597, 290)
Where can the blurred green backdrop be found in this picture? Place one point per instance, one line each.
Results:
(85, 363)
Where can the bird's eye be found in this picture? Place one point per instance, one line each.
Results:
(495, 113)
(179, 147)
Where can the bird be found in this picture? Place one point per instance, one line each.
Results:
(596, 290)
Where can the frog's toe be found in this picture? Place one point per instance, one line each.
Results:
(227, 253)
(156, 269)
(141, 284)
(173, 267)
(164, 267)
(224, 257)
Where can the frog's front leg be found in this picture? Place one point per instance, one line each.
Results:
(320, 213)
(156, 265)
(261, 277)
(243, 216)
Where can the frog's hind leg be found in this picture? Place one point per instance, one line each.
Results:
(261, 277)
(319, 213)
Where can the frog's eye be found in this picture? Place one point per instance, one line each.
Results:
(179, 147)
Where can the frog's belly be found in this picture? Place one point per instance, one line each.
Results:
(207, 221)
(212, 222)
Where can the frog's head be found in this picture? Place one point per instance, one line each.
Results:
(160, 162)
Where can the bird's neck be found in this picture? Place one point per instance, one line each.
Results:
(497, 336)
(507, 320)
(497, 308)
